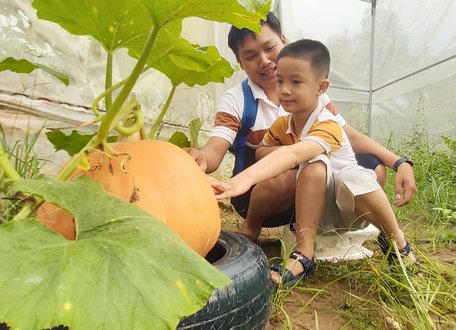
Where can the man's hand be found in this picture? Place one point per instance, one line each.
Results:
(405, 185)
(211, 155)
(199, 157)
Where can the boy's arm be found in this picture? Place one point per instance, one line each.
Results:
(278, 161)
(404, 180)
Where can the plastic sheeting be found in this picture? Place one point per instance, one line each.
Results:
(31, 102)
(23, 35)
(413, 81)
(414, 66)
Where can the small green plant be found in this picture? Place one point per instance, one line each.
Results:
(28, 165)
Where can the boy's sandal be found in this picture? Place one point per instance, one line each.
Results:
(388, 251)
(391, 255)
(288, 278)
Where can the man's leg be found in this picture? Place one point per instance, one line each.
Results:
(373, 163)
(310, 202)
(268, 198)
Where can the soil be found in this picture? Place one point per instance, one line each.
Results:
(303, 309)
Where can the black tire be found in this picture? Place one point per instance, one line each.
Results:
(246, 302)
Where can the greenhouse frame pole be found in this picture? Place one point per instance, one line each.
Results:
(371, 68)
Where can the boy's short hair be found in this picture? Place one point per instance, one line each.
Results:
(312, 50)
(237, 36)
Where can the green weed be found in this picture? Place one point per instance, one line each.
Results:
(27, 164)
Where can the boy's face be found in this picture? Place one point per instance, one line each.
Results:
(298, 85)
(258, 56)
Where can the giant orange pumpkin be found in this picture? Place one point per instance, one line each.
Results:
(160, 178)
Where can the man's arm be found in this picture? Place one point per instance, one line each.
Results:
(211, 154)
(404, 180)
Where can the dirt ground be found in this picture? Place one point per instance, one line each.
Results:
(307, 310)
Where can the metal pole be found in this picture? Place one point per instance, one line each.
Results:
(371, 68)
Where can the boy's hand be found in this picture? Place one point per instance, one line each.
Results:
(231, 188)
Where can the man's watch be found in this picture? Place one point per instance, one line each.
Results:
(403, 159)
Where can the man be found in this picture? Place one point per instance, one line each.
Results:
(271, 202)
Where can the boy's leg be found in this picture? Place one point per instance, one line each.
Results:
(268, 198)
(310, 202)
(376, 209)
(360, 195)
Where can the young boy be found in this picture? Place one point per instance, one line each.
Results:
(311, 137)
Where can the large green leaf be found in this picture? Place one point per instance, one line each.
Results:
(113, 23)
(126, 270)
(126, 24)
(241, 13)
(24, 66)
(118, 23)
(193, 64)
(183, 62)
(215, 73)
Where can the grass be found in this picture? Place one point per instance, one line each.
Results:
(376, 295)
(27, 164)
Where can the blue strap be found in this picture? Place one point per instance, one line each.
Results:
(248, 119)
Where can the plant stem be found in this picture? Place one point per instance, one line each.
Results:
(109, 91)
(111, 117)
(160, 117)
(108, 80)
(8, 168)
(27, 209)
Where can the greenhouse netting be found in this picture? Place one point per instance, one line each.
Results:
(393, 67)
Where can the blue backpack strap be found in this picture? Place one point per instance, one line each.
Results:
(248, 119)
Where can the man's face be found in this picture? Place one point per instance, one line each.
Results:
(298, 85)
(258, 56)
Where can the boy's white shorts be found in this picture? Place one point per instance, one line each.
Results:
(342, 187)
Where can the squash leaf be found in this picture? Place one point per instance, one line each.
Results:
(24, 66)
(72, 143)
(114, 24)
(241, 13)
(119, 24)
(117, 274)
(193, 64)
(195, 127)
(179, 139)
